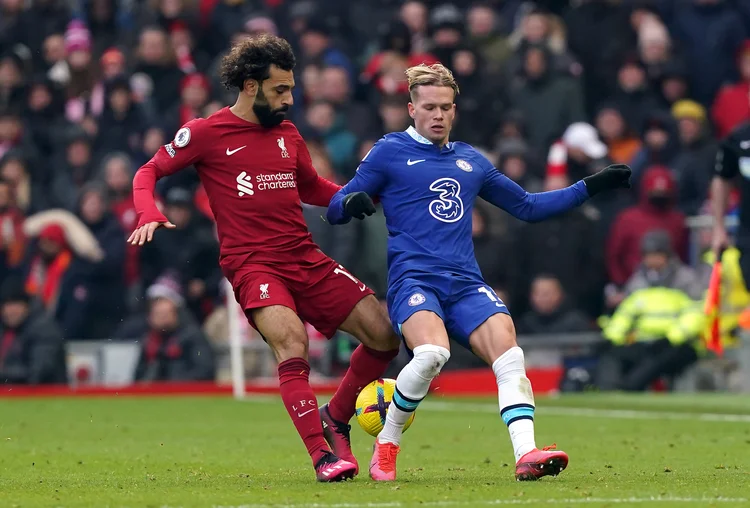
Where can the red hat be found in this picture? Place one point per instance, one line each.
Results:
(54, 233)
(195, 79)
(112, 56)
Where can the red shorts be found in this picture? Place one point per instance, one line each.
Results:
(323, 293)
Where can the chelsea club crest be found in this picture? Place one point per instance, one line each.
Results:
(464, 165)
(416, 299)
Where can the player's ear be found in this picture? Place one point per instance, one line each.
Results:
(250, 87)
(412, 110)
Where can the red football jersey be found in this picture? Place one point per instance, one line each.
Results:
(255, 179)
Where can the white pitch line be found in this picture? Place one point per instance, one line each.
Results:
(620, 414)
(502, 502)
(628, 414)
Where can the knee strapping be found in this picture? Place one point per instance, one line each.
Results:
(429, 359)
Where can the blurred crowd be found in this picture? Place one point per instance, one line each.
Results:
(550, 92)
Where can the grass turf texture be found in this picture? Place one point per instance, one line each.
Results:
(205, 452)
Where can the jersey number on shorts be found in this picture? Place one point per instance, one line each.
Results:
(491, 295)
(341, 271)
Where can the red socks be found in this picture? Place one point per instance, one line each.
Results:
(302, 405)
(365, 366)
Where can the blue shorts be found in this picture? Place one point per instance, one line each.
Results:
(462, 303)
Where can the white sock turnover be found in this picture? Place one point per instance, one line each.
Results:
(516, 400)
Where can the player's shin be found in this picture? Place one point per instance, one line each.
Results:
(412, 385)
(365, 366)
(516, 400)
(302, 406)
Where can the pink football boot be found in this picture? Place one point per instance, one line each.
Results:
(539, 463)
(330, 468)
(383, 463)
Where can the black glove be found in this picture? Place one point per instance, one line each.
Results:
(358, 204)
(616, 176)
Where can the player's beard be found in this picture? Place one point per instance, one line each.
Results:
(267, 116)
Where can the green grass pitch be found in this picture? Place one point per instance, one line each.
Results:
(648, 450)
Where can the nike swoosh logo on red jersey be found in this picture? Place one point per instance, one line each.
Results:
(231, 152)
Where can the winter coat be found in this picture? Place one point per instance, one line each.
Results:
(563, 320)
(677, 276)
(92, 297)
(623, 251)
(182, 355)
(36, 354)
(710, 35)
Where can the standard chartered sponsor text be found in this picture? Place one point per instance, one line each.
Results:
(270, 181)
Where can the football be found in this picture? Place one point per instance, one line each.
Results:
(372, 406)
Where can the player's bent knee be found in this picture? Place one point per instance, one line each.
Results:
(493, 338)
(429, 360)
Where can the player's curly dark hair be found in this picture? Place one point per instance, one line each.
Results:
(252, 59)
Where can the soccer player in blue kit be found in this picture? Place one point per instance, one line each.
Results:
(427, 186)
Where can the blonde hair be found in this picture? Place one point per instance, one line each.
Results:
(430, 75)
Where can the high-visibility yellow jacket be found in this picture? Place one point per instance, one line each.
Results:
(656, 313)
(734, 295)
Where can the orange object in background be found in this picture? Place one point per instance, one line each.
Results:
(713, 304)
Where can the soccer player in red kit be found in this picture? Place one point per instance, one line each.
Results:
(256, 169)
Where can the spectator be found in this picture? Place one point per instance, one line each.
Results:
(81, 82)
(31, 346)
(660, 267)
(12, 237)
(485, 34)
(710, 57)
(395, 54)
(694, 162)
(655, 48)
(660, 144)
(316, 46)
(674, 84)
(173, 348)
(579, 153)
(446, 29)
(44, 115)
(599, 34)
(548, 102)
(656, 210)
(478, 106)
(394, 115)
(633, 96)
(49, 260)
(540, 28)
(515, 162)
(117, 173)
(654, 331)
(29, 196)
(575, 265)
(190, 249)
(550, 313)
(75, 171)
(12, 80)
(92, 296)
(622, 143)
(414, 14)
(157, 61)
(322, 122)
(122, 121)
(732, 106)
(336, 89)
(195, 92)
(112, 65)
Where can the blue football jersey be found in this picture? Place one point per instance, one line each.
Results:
(428, 194)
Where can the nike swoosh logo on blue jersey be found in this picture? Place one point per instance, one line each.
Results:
(411, 162)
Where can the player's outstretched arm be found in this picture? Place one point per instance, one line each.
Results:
(534, 207)
(354, 199)
(182, 152)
